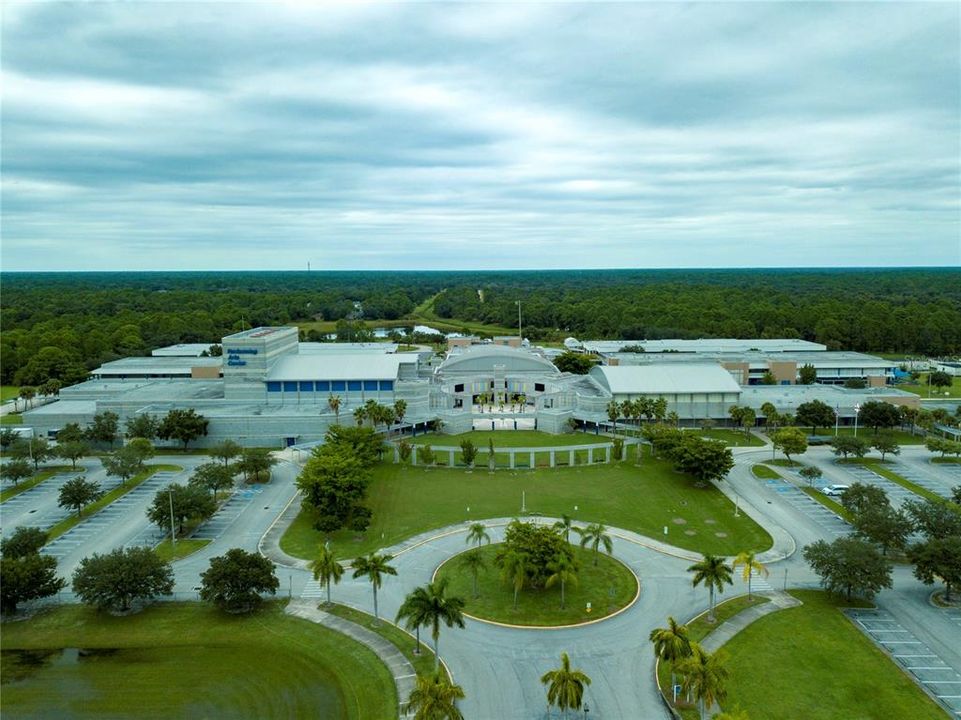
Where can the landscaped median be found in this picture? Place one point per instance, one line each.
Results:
(179, 550)
(67, 523)
(878, 467)
(42, 475)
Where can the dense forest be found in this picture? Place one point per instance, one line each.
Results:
(61, 325)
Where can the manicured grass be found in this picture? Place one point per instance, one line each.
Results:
(423, 663)
(407, 501)
(11, 419)
(25, 485)
(541, 606)
(921, 388)
(811, 662)
(182, 549)
(9, 392)
(510, 438)
(946, 460)
(190, 660)
(835, 507)
(64, 525)
(878, 467)
(783, 462)
(734, 438)
(764, 472)
(902, 437)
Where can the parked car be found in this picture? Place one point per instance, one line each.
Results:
(834, 490)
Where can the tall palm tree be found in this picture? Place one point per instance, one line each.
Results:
(360, 415)
(374, 567)
(333, 402)
(751, 564)
(430, 605)
(565, 525)
(326, 569)
(613, 412)
(434, 697)
(477, 533)
(473, 562)
(596, 535)
(514, 571)
(563, 571)
(412, 611)
(671, 644)
(565, 687)
(713, 572)
(704, 675)
(400, 410)
(627, 410)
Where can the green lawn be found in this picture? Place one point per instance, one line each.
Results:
(182, 549)
(190, 660)
(902, 437)
(25, 485)
(734, 438)
(608, 586)
(11, 419)
(407, 501)
(811, 662)
(949, 460)
(68, 522)
(921, 388)
(764, 472)
(9, 392)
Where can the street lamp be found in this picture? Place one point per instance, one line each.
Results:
(857, 409)
(837, 418)
(173, 535)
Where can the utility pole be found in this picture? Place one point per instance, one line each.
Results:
(173, 535)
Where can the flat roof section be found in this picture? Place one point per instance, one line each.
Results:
(665, 379)
(705, 345)
(184, 350)
(374, 348)
(339, 367)
(259, 332)
(155, 365)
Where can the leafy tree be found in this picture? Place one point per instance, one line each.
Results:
(103, 428)
(477, 533)
(713, 572)
(29, 576)
(938, 558)
(563, 570)
(71, 432)
(127, 461)
(771, 415)
(73, 451)
(16, 470)
(956, 494)
(706, 460)
(434, 697)
(404, 449)
(594, 535)
(212, 477)
(78, 493)
(751, 564)
(886, 445)
(790, 441)
(672, 644)
(816, 414)
(226, 450)
(327, 570)
(768, 378)
(235, 581)
(885, 526)
(704, 675)
(861, 497)
(540, 545)
(810, 473)
(807, 375)
(425, 455)
(374, 567)
(934, 519)
(334, 483)
(189, 502)
(877, 415)
(469, 452)
(849, 445)
(855, 383)
(50, 387)
(473, 562)
(142, 425)
(255, 463)
(743, 417)
(183, 425)
(23, 541)
(576, 363)
(940, 379)
(36, 449)
(8, 436)
(115, 580)
(565, 686)
(850, 566)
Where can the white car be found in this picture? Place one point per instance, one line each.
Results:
(834, 490)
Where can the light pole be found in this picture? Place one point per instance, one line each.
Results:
(857, 409)
(173, 535)
(837, 417)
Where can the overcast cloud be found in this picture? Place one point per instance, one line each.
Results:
(406, 136)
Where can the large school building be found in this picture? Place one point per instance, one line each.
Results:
(269, 389)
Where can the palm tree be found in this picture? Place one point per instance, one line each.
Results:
(565, 687)
(564, 570)
(704, 675)
(613, 412)
(400, 410)
(360, 415)
(749, 560)
(326, 569)
(473, 562)
(431, 605)
(565, 524)
(374, 567)
(435, 698)
(373, 412)
(627, 410)
(514, 570)
(713, 572)
(412, 612)
(671, 644)
(333, 402)
(477, 533)
(596, 535)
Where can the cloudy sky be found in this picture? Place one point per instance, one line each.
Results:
(421, 135)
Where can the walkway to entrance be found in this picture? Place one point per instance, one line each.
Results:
(504, 422)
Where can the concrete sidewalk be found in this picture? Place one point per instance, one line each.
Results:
(729, 628)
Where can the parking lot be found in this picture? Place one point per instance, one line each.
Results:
(830, 523)
(930, 671)
(922, 477)
(896, 493)
(227, 513)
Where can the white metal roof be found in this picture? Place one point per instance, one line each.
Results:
(665, 379)
(373, 348)
(717, 345)
(339, 367)
(183, 350)
(155, 365)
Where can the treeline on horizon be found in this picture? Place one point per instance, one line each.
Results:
(61, 325)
